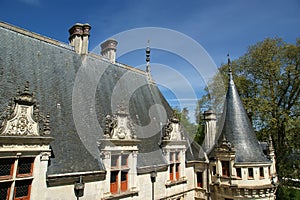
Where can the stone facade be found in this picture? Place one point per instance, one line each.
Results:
(37, 164)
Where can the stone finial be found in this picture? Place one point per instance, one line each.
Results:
(25, 97)
(148, 67)
(225, 146)
(109, 48)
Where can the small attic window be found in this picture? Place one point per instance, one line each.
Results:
(225, 168)
(250, 173)
(261, 172)
(238, 172)
(200, 179)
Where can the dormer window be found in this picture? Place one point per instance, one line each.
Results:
(119, 173)
(174, 166)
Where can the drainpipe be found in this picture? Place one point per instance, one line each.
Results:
(153, 176)
(79, 188)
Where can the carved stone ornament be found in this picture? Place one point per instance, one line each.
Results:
(119, 126)
(225, 146)
(173, 130)
(22, 116)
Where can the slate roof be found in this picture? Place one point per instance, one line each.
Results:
(78, 92)
(238, 129)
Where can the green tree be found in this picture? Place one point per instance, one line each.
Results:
(268, 81)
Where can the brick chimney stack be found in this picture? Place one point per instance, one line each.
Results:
(108, 49)
(79, 37)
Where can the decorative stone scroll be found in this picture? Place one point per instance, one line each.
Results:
(22, 116)
(119, 126)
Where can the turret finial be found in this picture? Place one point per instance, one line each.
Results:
(148, 57)
(148, 69)
(229, 67)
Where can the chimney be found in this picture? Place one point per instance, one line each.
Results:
(210, 129)
(108, 49)
(85, 38)
(79, 37)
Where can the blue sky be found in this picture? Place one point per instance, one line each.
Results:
(219, 26)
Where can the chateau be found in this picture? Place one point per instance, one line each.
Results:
(77, 125)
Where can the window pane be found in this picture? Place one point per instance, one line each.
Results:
(214, 170)
(114, 160)
(171, 157)
(225, 168)
(6, 166)
(177, 171)
(124, 160)
(124, 176)
(261, 172)
(114, 182)
(250, 172)
(124, 181)
(177, 156)
(199, 179)
(239, 172)
(22, 189)
(4, 190)
(25, 166)
(171, 172)
(113, 177)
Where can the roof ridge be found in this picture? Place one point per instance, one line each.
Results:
(35, 35)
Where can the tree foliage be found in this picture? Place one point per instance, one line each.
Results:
(268, 81)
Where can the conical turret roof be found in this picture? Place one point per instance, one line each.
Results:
(238, 130)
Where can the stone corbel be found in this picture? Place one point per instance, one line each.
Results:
(45, 156)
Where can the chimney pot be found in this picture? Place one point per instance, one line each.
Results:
(79, 34)
(108, 49)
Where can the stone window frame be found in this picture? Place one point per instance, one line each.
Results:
(12, 183)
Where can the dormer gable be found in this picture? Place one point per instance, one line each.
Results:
(119, 126)
(22, 117)
(173, 130)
